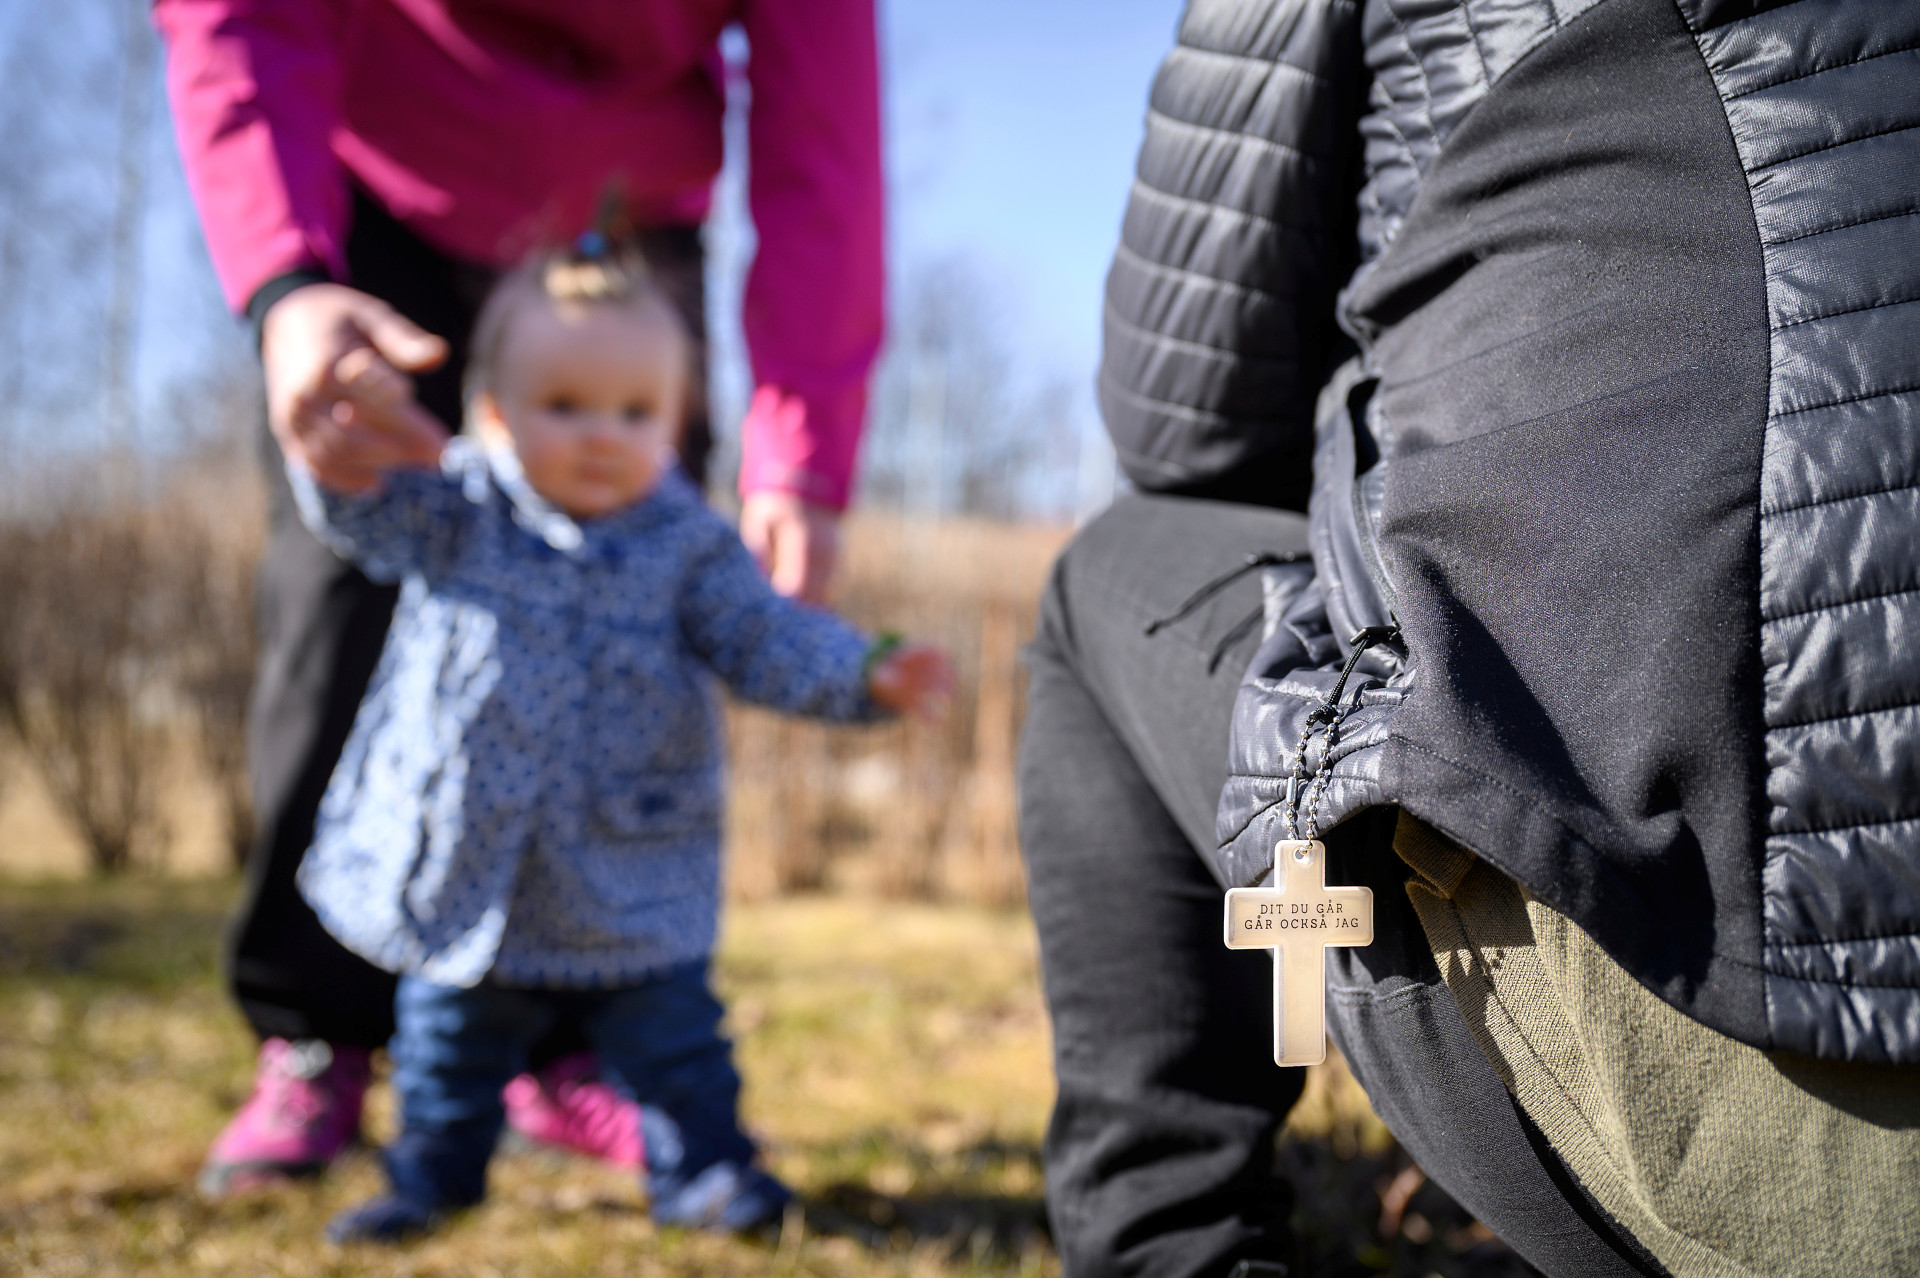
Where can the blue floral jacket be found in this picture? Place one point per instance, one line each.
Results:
(532, 790)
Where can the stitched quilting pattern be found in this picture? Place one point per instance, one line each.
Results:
(1823, 101)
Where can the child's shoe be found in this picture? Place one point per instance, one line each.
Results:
(304, 1110)
(567, 1105)
(726, 1198)
(388, 1219)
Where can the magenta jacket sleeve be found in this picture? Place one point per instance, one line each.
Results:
(255, 89)
(815, 300)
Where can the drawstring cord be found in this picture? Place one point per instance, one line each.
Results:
(1234, 636)
(1360, 641)
(1259, 559)
(1332, 713)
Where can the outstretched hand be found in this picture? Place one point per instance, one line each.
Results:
(338, 398)
(915, 679)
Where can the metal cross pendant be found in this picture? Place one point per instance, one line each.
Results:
(1297, 919)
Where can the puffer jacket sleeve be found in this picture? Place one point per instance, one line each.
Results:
(1239, 232)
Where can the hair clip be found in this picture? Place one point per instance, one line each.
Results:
(611, 225)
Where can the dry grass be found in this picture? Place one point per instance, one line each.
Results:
(896, 1060)
(911, 811)
(895, 1050)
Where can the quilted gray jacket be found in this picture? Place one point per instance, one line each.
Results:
(1601, 322)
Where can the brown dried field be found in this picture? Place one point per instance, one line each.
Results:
(895, 1057)
(881, 976)
(896, 1065)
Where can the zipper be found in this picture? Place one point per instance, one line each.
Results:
(1362, 524)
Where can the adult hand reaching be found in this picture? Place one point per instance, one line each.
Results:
(796, 541)
(338, 400)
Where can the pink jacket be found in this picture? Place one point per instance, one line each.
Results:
(488, 128)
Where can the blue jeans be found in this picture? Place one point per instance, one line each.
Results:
(659, 1042)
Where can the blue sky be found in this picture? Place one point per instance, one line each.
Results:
(1012, 132)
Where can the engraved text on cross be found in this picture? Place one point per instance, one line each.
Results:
(1297, 919)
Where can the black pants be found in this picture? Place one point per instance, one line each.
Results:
(1159, 1155)
(322, 625)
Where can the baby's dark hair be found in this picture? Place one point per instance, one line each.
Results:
(594, 270)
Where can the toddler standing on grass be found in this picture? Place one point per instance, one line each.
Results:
(525, 822)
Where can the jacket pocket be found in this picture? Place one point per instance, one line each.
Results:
(632, 805)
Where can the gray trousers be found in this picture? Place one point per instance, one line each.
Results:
(1159, 1157)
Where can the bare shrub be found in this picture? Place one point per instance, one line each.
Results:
(910, 810)
(216, 529)
(983, 846)
(15, 560)
(775, 809)
(217, 678)
(129, 632)
(90, 627)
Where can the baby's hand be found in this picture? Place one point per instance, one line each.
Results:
(370, 381)
(916, 679)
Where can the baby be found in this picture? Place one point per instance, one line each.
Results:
(525, 822)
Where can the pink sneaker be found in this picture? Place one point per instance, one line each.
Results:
(304, 1110)
(566, 1105)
